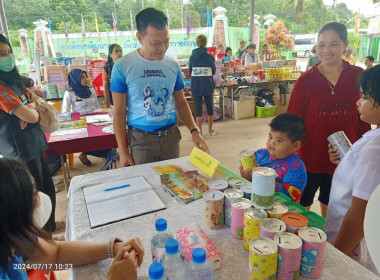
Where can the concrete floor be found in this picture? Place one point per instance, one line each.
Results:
(231, 138)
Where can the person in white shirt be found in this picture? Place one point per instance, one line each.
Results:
(250, 56)
(81, 97)
(356, 177)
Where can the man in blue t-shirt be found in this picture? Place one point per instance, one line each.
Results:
(147, 86)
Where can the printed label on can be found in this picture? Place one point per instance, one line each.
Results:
(252, 225)
(277, 210)
(340, 142)
(289, 255)
(262, 201)
(229, 196)
(248, 159)
(213, 209)
(262, 258)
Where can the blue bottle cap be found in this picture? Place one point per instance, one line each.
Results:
(161, 225)
(199, 255)
(156, 271)
(171, 247)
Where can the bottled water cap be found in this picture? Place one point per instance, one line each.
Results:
(199, 255)
(156, 270)
(171, 246)
(161, 225)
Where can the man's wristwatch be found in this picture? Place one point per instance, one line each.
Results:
(195, 129)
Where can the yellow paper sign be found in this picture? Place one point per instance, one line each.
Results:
(204, 162)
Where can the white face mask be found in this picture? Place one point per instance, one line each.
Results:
(41, 214)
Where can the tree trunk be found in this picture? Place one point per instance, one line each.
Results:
(299, 10)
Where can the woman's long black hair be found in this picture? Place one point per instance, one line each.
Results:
(17, 198)
(12, 77)
(110, 50)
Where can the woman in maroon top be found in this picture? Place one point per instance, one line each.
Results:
(325, 98)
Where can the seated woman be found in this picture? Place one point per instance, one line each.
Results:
(227, 55)
(81, 97)
(23, 242)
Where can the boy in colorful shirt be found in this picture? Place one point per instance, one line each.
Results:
(285, 136)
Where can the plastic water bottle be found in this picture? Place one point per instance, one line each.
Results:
(159, 239)
(200, 268)
(156, 272)
(174, 262)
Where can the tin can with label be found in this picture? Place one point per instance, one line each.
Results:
(262, 258)
(247, 191)
(277, 210)
(313, 251)
(238, 207)
(248, 159)
(213, 209)
(263, 187)
(252, 223)
(236, 182)
(340, 142)
(294, 221)
(218, 185)
(270, 227)
(289, 255)
(229, 196)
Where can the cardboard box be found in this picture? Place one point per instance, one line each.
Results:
(244, 109)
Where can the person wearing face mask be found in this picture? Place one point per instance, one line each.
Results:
(148, 87)
(23, 242)
(114, 53)
(20, 134)
(325, 97)
(80, 97)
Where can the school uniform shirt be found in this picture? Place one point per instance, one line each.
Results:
(77, 104)
(357, 175)
(291, 173)
(149, 87)
(325, 113)
(13, 271)
(24, 144)
(248, 59)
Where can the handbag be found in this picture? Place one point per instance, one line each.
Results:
(48, 120)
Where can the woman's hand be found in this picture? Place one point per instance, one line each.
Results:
(333, 155)
(136, 245)
(124, 266)
(246, 173)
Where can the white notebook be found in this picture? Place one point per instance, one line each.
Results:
(106, 207)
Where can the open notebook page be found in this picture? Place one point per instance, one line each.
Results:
(105, 207)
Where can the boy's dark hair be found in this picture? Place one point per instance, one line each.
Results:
(339, 28)
(290, 124)
(150, 16)
(369, 84)
(370, 57)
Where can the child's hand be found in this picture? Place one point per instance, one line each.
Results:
(333, 155)
(246, 173)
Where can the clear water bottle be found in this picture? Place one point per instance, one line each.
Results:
(174, 262)
(200, 268)
(159, 239)
(156, 272)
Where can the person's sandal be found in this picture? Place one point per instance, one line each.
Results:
(212, 133)
(86, 163)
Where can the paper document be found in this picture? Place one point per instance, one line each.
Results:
(121, 203)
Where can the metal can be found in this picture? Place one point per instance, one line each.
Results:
(252, 223)
(238, 207)
(262, 258)
(289, 255)
(340, 142)
(229, 196)
(277, 210)
(294, 221)
(218, 185)
(248, 159)
(263, 187)
(313, 251)
(213, 209)
(247, 191)
(236, 182)
(270, 227)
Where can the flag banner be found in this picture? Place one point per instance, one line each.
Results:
(83, 27)
(188, 24)
(64, 23)
(96, 24)
(49, 24)
(130, 14)
(208, 18)
(167, 15)
(114, 22)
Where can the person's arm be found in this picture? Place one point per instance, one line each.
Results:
(213, 68)
(95, 98)
(184, 112)
(66, 103)
(27, 113)
(106, 89)
(352, 230)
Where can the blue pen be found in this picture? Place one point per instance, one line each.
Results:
(115, 188)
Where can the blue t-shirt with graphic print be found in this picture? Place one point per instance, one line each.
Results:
(149, 86)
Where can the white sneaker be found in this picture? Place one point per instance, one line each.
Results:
(56, 180)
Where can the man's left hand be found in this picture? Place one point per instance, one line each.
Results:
(199, 142)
